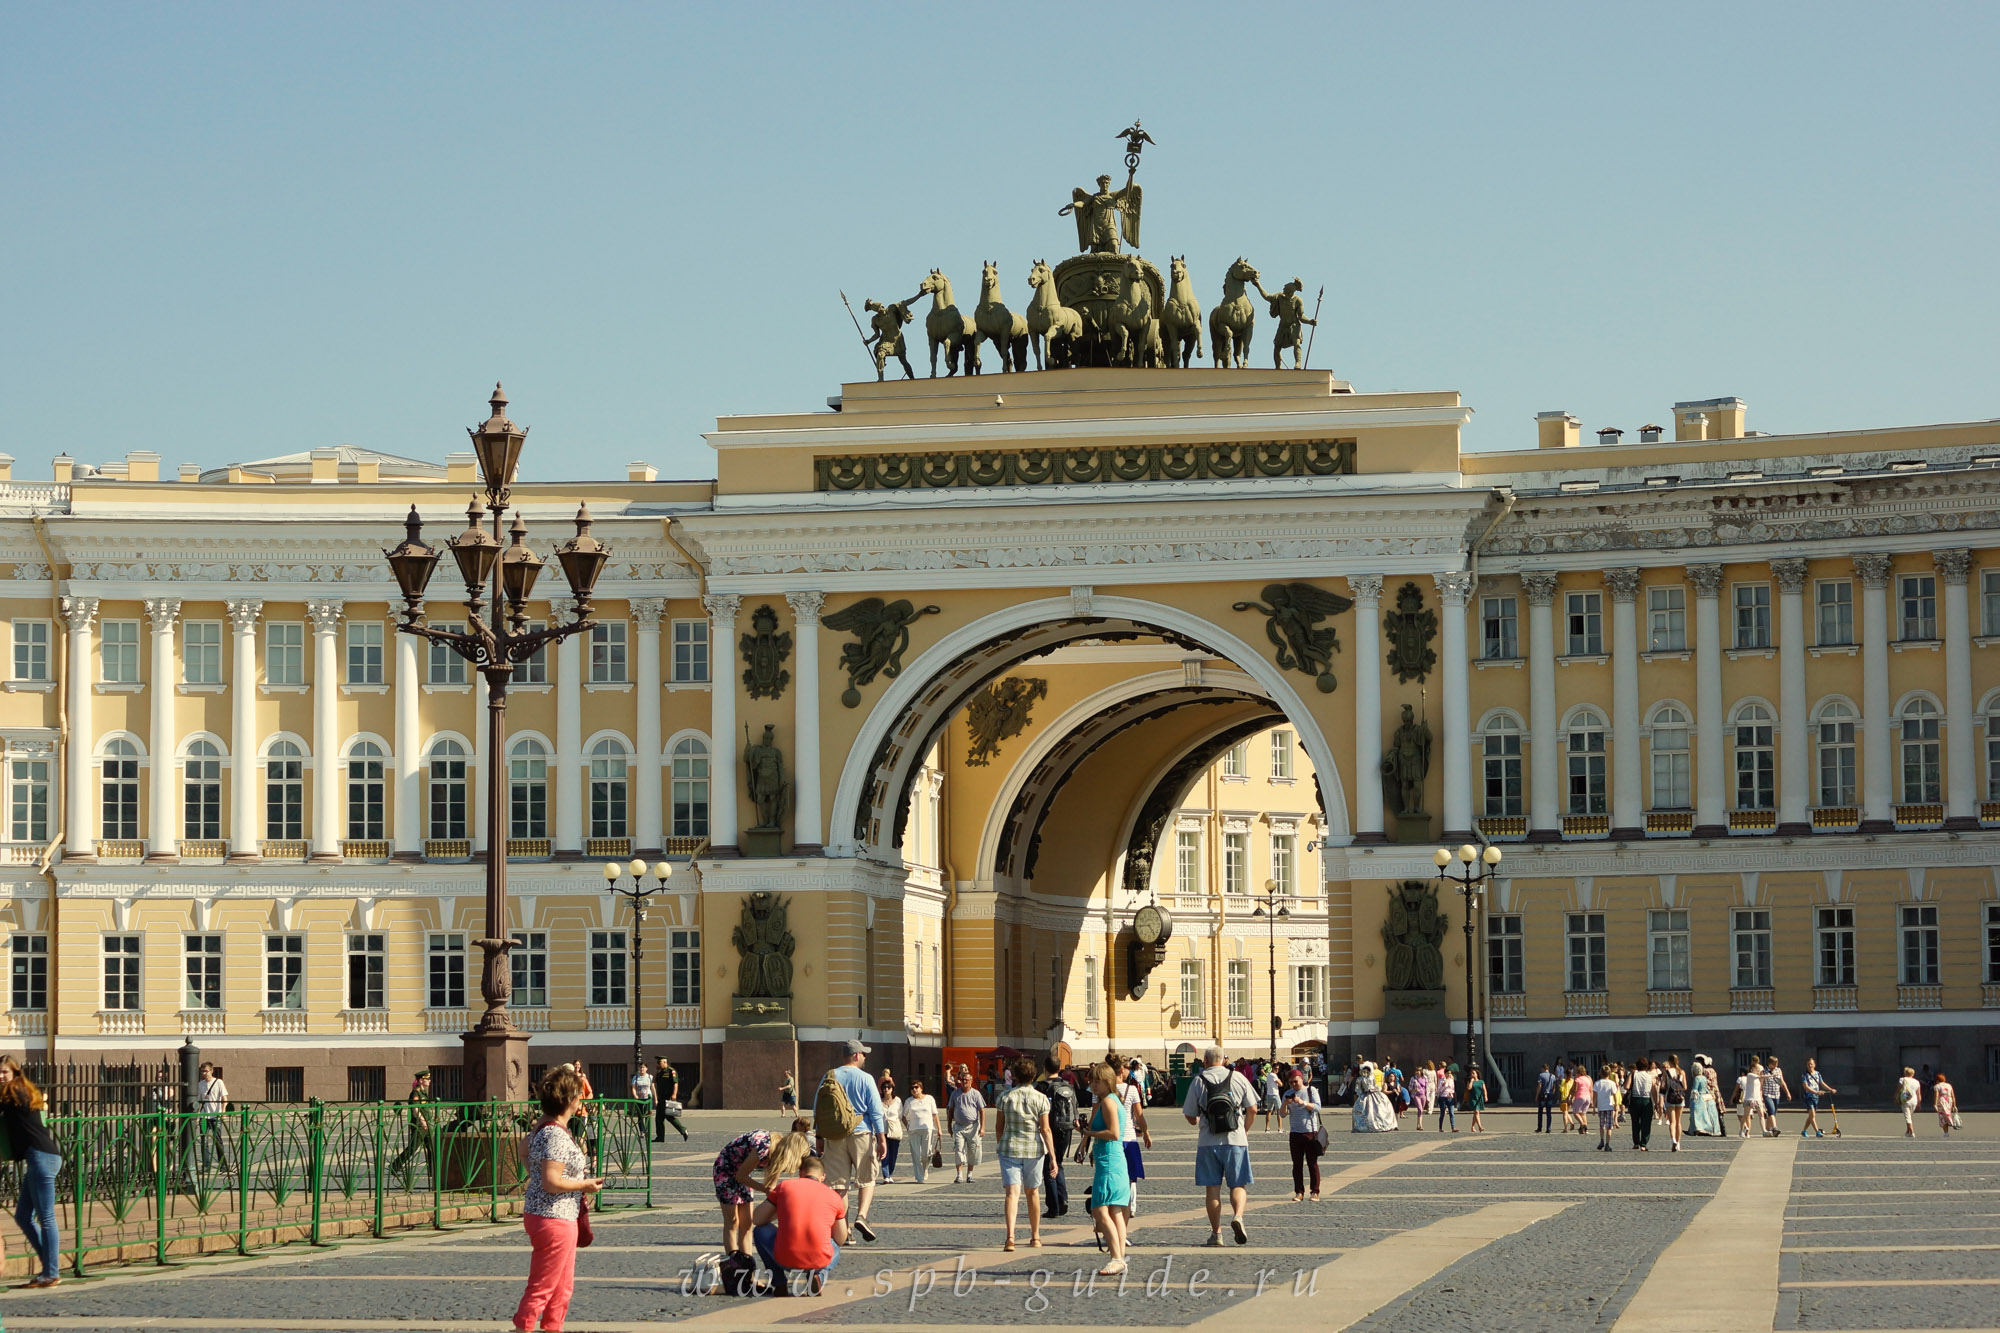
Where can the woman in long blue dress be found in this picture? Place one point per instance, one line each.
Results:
(1110, 1186)
(1707, 1119)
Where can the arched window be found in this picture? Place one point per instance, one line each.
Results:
(1923, 762)
(1586, 763)
(1834, 735)
(1756, 766)
(528, 789)
(608, 788)
(121, 789)
(1672, 786)
(366, 820)
(690, 794)
(201, 792)
(285, 792)
(1501, 766)
(447, 791)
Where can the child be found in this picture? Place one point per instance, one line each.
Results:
(1582, 1099)
(1749, 1096)
(1565, 1089)
(1607, 1111)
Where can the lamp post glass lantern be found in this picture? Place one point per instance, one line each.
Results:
(1271, 905)
(1474, 869)
(636, 951)
(502, 579)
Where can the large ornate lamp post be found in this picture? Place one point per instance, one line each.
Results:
(638, 893)
(1475, 868)
(1271, 905)
(495, 1051)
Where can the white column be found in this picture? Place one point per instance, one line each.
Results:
(1877, 727)
(1368, 814)
(1544, 746)
(475, 817)
(808, 821)
(84, 815)
(723, 766)
(327, 826)
(1628, 799)
(1711, 785)
(1961, 791)
(1454, 591)
(244, 742)
(569, 734)
(1794, 754)
(407, 821)
(163, 737)
(648, 827)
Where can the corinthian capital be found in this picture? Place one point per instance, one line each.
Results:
(1790, 575)
(1873, 567)
(1454, 587)
(78, 612)
(806, 606)
(722, 606)
(648, 611)
(244, 613)
(1953, 565)
(325, 614)
(163, 612)
(1540, 586)
(1367, 589)
(1623, 582)
(1707, 580)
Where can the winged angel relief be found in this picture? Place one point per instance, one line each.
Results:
(882, 633)
(1292, 612)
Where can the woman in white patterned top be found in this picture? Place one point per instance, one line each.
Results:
(556, 1182)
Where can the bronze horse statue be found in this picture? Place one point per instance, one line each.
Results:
(1230, 323)
(1007, 331)
(948, 326)
(1053, 328)
(1180, 322)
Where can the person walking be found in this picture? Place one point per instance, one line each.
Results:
(1444, 1088)
(1419, 1087)
(1642, 1105)
(788, 1093)
(211, 1099)
(1944, 1100)
(1909, 1096)
(1605, 1089)
(21, 1108)
(854, 1137)
(1062, 1131)
(420, 1111)
(1776, 1091)
(968, 1127)
(667, 1102)
(1025, 1143)
(1566, 1095)
(1582, 1098)
(1272, 1091)
(892, 1116)
(1670, 1087)
(1132, 1094)
(1475, 1100)
(1749, 1097)
(1222, 1107)
(552, 1195)
(1813, 1086)
(1705, 1101)
(1545, 1102)
(920, 1129)
(1110, 1189)
(1302, 1108)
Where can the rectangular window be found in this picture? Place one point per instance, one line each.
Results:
(607, 653)
(528, 960)
(1750, 939)
(534, 669)
(204, 973)
(1238, 979)
(917, 976)
(1666, 618)
(285, 653)
(284, 1083)
(1667, 949)
(28, 800)
(1281, 753)
(1500, 767)
(30, 971)
(445, 953)
(1672, 784)
(1235, 761)
(1586, 623)
(1506, 968)
(1586, 769)
(1917, 594)
(1284, 853)
(364, 652)
(1835, 944)
(1194, 1004)
(201, 652)
(1236, 863)
(1836, 757)
(121, 973)
(31, 650)
(445, 666)
(118, 653)
(284, 971)
(367, 1083)
(690, 652)
(607, 967)
(1499, 629)
(937, 979)
(1308, 991)
(1586, 951)
(684, 968)
(1187, 862)
(1992, 943)
(1920, 944)
(1753, 615)
(1834, 606)
(366, 959)
(1090, 988)
(1989, 601)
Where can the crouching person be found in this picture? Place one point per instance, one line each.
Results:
(800, 1227)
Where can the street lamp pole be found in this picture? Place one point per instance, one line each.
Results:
(638, 893)
(1475, 868)
(1270, 906)
(496, 1052)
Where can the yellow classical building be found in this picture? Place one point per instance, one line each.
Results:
(1056, 648)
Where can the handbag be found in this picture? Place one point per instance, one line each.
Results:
(670, 1108)
(937, 1159)
(583, 1232)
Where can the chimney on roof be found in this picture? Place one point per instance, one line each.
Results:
(1610, 435)
(367, 471)
(1709, 419)
(6, 467)
(464, 465)
(1558, 430)
(190, 472)
(65, 468)
(641, 472)
(325, 467)
(1650, 434)
(142, 465)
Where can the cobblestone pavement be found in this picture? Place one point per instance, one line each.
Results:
(1417, 1231)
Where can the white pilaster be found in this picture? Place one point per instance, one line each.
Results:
(1877, 727)
(162, 738)
(1628, 801)
(78, 613)
(1711, 785)
(328, 827)
(244, 742)
(407, 825)
(1367, 590)
(1544, 745)
(807, 829)
(1454, 591)
(1794, 755)
(569, 734)
(723, 766)
(478, 777)
(647, 834)
(1961, 790)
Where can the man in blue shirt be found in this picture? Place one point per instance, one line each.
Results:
(1545, 1102)
(855, 1159)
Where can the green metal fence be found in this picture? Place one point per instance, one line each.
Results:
(162, 1183)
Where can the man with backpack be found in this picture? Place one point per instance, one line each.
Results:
(853, 1132)
(1222, 1107)
(1062, 1124)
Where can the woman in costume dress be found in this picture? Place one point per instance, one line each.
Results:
(1707, 1118)
(1372, 1112)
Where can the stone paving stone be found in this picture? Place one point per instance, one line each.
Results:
(1888, 1308)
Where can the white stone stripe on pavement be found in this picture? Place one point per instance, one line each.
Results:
(1721, 1273)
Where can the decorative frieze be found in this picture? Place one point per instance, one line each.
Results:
(1085, 466)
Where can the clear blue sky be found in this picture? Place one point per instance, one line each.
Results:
(235, 231)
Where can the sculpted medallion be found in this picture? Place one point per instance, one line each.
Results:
(764, 651)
